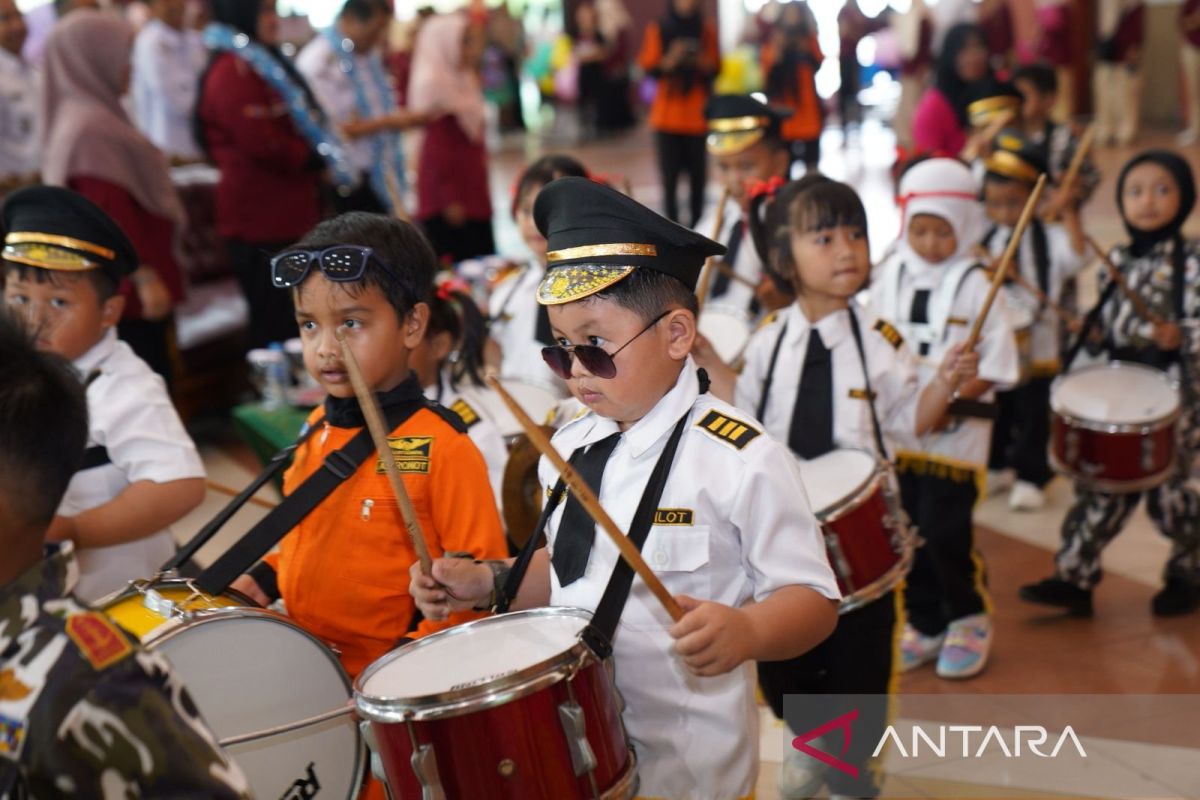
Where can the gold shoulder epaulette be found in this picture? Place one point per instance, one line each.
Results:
(467, 414)
(889, 332)
(767, 320)
(727, 429)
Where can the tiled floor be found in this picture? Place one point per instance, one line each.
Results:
(1122, 650)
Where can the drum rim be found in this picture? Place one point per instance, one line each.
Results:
(827, 514)
(1112, 485)
(518, 684)
(883, 584)
(129, 590)
(1148, 426)
(154, 639)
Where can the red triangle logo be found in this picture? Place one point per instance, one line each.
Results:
(801, 743)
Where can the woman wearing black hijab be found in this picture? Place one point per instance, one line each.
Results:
(962, 75)
(258, 122)
(1155, 194)
(680, 50)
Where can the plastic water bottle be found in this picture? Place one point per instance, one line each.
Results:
(276, 385)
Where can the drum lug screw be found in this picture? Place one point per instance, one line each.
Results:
(570, 716)
(1148, 453)
(507, 768)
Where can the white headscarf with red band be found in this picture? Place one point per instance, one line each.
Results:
(945, 188)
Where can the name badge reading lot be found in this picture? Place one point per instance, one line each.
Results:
(674, 516)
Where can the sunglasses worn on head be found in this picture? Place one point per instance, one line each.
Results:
(595, 360)
(341, 263)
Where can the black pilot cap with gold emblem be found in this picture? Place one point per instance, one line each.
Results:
(56, 229)
(596, 236)
(737, 122)
(1015, 157)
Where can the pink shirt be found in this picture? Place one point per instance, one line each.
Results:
(935, 126)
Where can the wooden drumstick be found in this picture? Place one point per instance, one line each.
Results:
(1073, 169)
(706, 274)
(1139, 305)
(374, 417)
(986, 134)
(1005, 262)
(728, 272)
(587, 498)
(231, 492)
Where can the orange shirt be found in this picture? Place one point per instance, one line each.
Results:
(343, 571)
(677, 112)
(805, 122)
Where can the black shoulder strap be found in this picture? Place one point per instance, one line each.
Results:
(986, 241)
(521, 565)
(766, 390)
(95, 456)
(862, 355)
(449, 417)
(278, 461)
(1178, 259)
(1089, 322)
(599, 634)
(339, 465)
(1041, 254)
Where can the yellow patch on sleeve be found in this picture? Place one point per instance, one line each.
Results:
(98, 638)
(727, 429)
(467, 414)
(11, 687)
(889, 332)
(411, 454)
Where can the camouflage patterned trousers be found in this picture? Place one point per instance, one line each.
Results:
(1096, 518)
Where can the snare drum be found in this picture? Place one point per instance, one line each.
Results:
(1112, 426)
(512, 707)
(727, 328)
(867, 535)
(276, 698)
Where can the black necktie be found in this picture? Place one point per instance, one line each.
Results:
(577, 529)
(811, 433)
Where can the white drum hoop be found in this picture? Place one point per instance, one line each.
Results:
(1075, 420)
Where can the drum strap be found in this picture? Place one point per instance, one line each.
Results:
(770, 379)
(278, 461)
(862, 356)
(338, 466)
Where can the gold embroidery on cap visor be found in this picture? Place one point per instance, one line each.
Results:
(44, 256)
(982, 112)
(570, 283)
(1012, 166)
(70, 242)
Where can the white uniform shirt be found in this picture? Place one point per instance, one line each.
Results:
(335, 91)
(956, 295)
(513, 308)
(746, 262)
(891, 365)
(20, 116)
(483, 432)
(1064, 263)
(166, 68)
(131, 416)
(748, 532)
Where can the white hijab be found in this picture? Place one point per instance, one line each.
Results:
(945, 188)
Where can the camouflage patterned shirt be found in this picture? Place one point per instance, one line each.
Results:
(85, 712)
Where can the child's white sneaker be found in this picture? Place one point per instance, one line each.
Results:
(1026, 496)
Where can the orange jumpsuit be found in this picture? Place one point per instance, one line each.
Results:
(343, 571)
(682, 113)
(807, 118)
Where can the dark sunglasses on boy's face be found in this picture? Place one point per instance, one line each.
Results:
(595, 360)
(341, 263)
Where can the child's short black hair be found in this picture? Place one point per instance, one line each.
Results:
(105, 284)
(454, 312)
(996, 179)
(648, 293)
(401, 247)
(546, 169)
(363, 10)
(1040, 75)
(813, 203)
(43, 428)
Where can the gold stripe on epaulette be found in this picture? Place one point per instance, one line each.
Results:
(727, 429)
(465, 412)
(888, 331)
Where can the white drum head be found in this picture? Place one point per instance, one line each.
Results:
(835, 476)
(475, 654)
(727, 328)
(249, 670)
(1117, 393)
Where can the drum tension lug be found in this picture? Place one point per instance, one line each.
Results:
(583, 759)
(424, 766)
